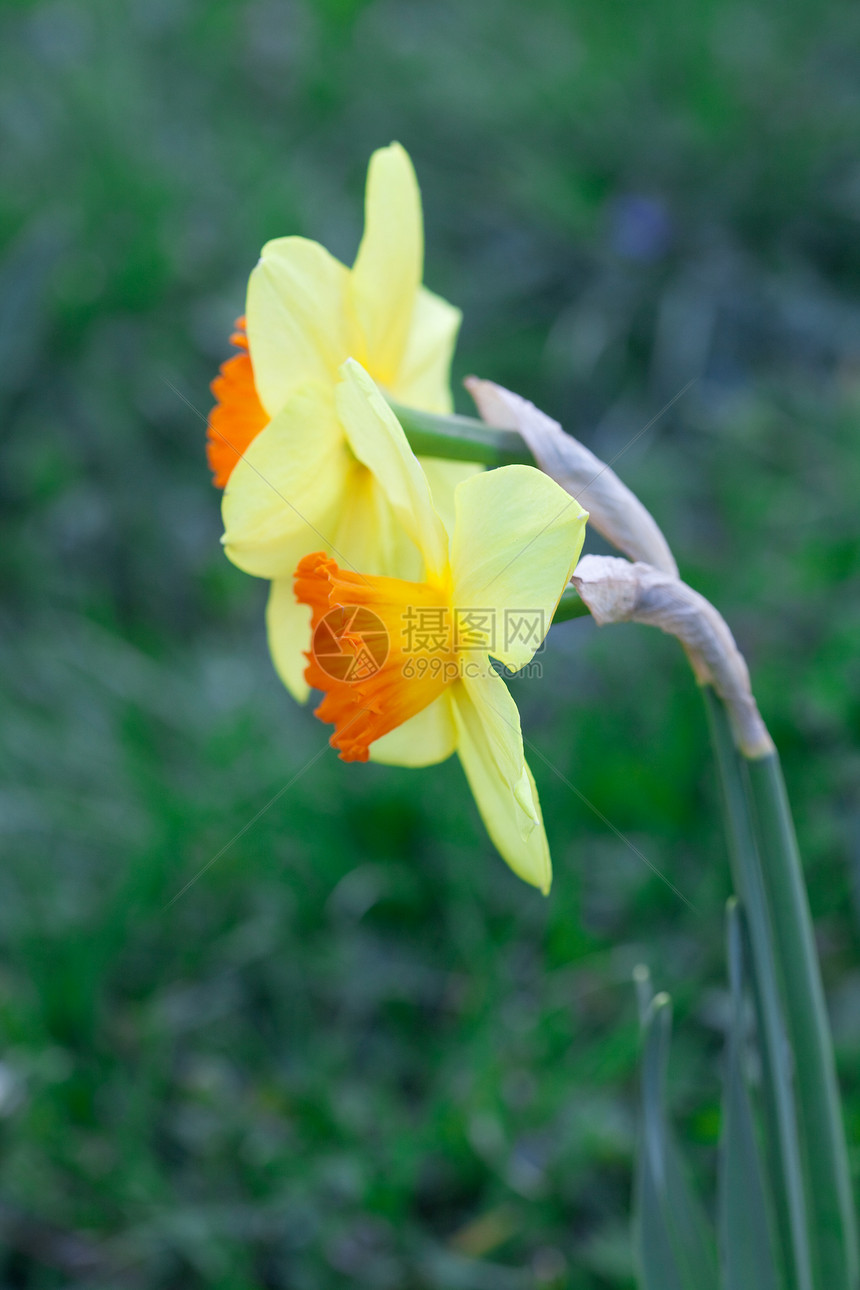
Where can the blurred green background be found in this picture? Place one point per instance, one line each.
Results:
(357, 1052)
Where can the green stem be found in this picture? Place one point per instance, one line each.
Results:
(571, 605)
(822, 1132)
(461, 438)
(786, 1176)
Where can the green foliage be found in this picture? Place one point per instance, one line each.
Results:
(745, 1218)
(356, 1051)
(674, 1240)
(674, 1247)
(791, 1198)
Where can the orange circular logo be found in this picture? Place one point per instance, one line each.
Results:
(350, 643)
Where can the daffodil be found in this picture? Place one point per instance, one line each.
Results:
(292, 482)
(405, 664)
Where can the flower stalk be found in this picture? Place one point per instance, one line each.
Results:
(570, 606)
(808, 1162)
(457, 438)
(822, 1133)
(784, 1154)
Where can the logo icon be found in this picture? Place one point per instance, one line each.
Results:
(350, 643)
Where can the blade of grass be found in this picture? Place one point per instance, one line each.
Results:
(671, 1233)
(747, 1253)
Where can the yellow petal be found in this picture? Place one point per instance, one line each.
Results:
(424, 377)
(428, 737)
(490, 746)
(377, 439)
(388, 267)
(366, 536)
(517, 536)
(443, 477)
(296, 318)
(283, 495)
(288, 625)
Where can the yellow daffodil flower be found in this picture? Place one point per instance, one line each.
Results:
(405, 664)
(292, 482)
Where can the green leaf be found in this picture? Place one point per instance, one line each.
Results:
(672, 1237)
(745, 1223)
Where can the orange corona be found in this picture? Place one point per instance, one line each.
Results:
(417, 663)
(238, 415)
